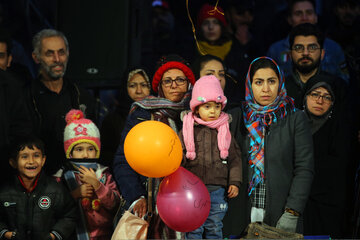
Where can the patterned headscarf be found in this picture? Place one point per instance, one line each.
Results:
(258, 118)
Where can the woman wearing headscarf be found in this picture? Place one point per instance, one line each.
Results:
(325, 210)
(136, 86)
(172, 81)
(276, 142)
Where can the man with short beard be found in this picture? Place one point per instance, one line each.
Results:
(306, 52)
(299, 12)
(51, 96)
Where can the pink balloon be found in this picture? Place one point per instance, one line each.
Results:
(183, 201)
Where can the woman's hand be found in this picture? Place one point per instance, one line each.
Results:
(140, 207)
(233, 191)
(88, 176)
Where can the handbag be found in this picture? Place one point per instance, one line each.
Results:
(258, 230)
(130, 227)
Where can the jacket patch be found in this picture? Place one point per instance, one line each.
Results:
(8, 204)
(44, 202)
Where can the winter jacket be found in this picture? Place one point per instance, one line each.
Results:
(49, 208)
(130, 183)
(288, 168)
(99, 222)
(208, 165)
(48, 110)
(334, 60)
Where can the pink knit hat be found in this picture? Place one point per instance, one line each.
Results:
(80, 130)
(207, 89)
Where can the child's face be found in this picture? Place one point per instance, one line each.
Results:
(209, 111)
(29, 162)
(83, 150)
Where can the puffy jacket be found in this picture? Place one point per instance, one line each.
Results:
(49, 208)
(208, 165)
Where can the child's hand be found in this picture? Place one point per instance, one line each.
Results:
(233, 191)
(86, 190)
(88, 176)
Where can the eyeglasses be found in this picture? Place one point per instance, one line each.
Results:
(299, 48)
(316, 96)
(179, 81)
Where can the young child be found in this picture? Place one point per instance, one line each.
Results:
(210, 152)
(33, 205)
(89, 182)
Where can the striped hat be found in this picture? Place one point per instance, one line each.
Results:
(80, 130)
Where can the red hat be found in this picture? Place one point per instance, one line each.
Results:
(208, 11)
(171, 62)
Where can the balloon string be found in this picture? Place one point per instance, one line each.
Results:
(202, 52)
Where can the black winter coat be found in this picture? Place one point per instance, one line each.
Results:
(49, 208)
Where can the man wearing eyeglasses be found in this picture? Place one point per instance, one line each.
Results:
(299, 12)
(307, 52)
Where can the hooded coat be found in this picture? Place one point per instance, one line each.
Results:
(325, 210)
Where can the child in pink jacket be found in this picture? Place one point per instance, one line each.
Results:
(89, 182)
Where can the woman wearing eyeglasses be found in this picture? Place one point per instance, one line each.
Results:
(275, 140)
(325, 210)
(171, 81)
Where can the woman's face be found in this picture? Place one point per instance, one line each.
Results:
(176, 90)
(215, 68)
(265, 86)
(138, 88)
(211, 29)
(319, 101)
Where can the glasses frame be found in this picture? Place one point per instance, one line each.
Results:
(174, 80)
(316, 96)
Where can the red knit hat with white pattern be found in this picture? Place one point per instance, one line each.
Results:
(80, 130)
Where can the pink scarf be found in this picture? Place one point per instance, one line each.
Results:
(221, 125)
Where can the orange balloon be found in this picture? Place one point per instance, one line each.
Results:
(153, 149)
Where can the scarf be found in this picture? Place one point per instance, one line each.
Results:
(258, 119)
(165, 110)
(221, 125)
(70, 179)
(220, 51)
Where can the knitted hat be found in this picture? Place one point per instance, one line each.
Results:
(208, 11)
(170, 62)
(80, 130)
(207, 89)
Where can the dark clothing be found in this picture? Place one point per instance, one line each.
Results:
(208, 165)
(14, 120)
(296, 88)
(288, 169)
(130, 183)
(48, 110)
(48, 208)
(110, 133)
(325, 210)
(237, 62)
